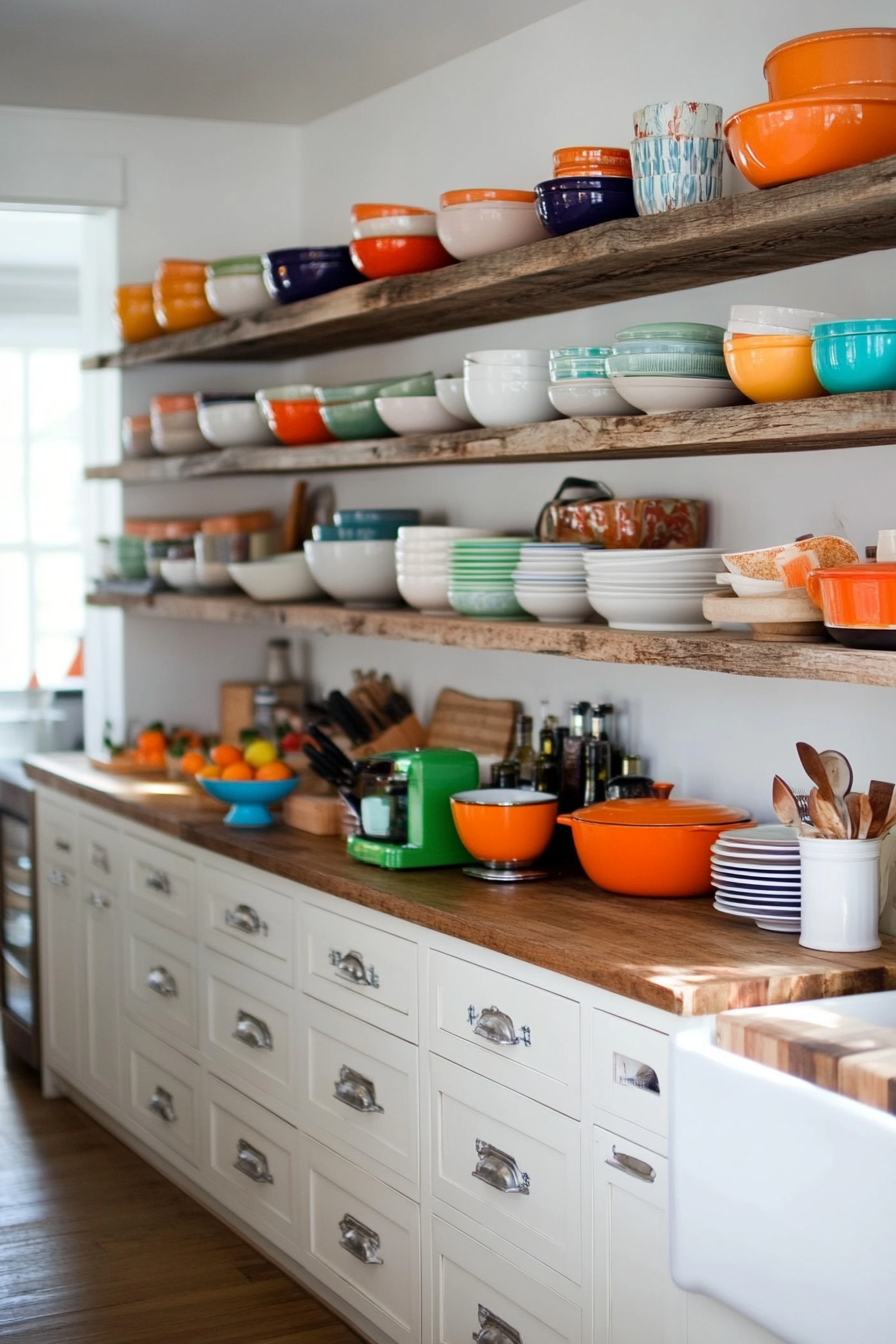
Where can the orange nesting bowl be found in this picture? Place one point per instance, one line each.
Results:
(371, 210)
(835, 61)
(178, 293)
(773, 368)
(379, 257)
(134, 315)
(296, 423)
(173, 403)
(796, 138)
(592, 161)
(505, 826)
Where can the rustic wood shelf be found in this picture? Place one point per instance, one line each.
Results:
(756, 233)
(780, 427)
(715, 651)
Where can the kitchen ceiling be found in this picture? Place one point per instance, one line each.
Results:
(243, 60)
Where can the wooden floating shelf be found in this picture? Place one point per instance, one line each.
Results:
(715, 651)
(756, 233)
(826, 422)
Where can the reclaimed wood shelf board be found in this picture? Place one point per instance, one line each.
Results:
(778, 427)
(715, 651)
(755, 233)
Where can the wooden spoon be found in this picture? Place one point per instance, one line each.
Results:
(853, 805)
(785, 804)
(813, 765)
(826, 817)
(890, 819)
(866, 816)
(880, 795)
(838, 770)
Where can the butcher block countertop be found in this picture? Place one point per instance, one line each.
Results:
(677, 955)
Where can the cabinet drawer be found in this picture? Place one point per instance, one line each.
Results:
(160, 885)
(518, 1034)
(160, 979)
(99, 854)
(248, 922)
(478, 1292)
(57, 835)
(512, 1165)
(251, 1162)
(247, 1028)
(629, 1071)
(162, 1092)
(360, 969)
(359, 1089)
(363, 1240)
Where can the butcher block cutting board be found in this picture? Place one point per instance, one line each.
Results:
(782, 618)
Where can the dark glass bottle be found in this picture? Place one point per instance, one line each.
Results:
(547, 767)
(598, 756)
(523, 751)
(572, 791)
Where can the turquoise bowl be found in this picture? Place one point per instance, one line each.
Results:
(358, 532)
(858, 356)
(249, 798)
(355, 420)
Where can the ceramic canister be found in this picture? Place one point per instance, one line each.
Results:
(840, 882)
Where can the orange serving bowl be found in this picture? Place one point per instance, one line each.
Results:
(836, 59)
(478, 195)
(178, 293)
(859, 597)
(133, 313)
(773, 368)
(296, 423)
(796, 138)
(379, 257)
(371, 210)
(173, 403)
(505, 825)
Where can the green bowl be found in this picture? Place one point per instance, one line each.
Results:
(424, 385)
(355, 420)
(486, 605)
(234, 266)
(333, 396)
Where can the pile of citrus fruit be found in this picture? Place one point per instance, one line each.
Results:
(260, 759)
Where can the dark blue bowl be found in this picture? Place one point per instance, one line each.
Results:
(565, 204)
(294, 273)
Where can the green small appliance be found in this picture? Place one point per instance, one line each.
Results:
(405, 806)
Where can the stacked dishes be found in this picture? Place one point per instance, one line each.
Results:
(508, 387)
(235, 286)
(229, 422)
(349, 411)
(178, 295)
(133, 313)
(294, 273)
(412, 407)
(175, 424)
(580, 383)
(592, 161)
(294, 415)
(136, 436)
(354, 560)
(768, 351)
(756, 875)
(481, 577)
(549, 582)
(487, 219)
(672, 366)
(677, 155)
(233, 538)
(591, 185)
(395, 240)
(652, 590)
(450, 392)
(422, 559)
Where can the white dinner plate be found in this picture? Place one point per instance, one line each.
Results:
(751, 882)
(764, 922)
(771, 833)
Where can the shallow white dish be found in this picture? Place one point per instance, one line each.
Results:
(744, 587)
(179, 573)
(417, 415)
(763, 921)
(559, 608)
(237, 295)
(395, 226)
(360, 573)
(427, 533)
(283, 578)
(497, 404)
(477, 229)
(764, 315)
(660, 395)
(589, 396)
(767, 833)
(625, 612)
(450, 392)
(235, 424)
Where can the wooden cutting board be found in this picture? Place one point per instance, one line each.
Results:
(469, 723)
(870, 1078)
(810, 1043)
(781, 617)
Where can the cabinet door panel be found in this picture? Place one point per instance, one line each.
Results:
(100, 860)
(361, 969)
(161, 1093)
(247, 1029)
(59, 894)
(249, 922)
(160, 885)
(101, 1054)
(160, 980)
(57, 835)
(629, 1071)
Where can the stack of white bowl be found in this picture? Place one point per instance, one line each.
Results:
(508, 387)
(652, 590)
(549, 583)
(423, 561)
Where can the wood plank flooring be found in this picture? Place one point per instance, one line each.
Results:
(97, 1248)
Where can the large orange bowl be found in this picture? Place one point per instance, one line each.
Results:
(505, 825)
(407, 255)
(831, 60)
(134, 315)
(855, 596)
(773, 368)
(296, 423)
(796, 138)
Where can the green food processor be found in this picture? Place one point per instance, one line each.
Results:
(405, 808)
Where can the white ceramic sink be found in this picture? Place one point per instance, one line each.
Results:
(783, 1195)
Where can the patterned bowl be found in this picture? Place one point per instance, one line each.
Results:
(659, 192)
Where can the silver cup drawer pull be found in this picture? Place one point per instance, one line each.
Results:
(493, 1025)
(247, 920)
(499, 1170)
(252, 1031)
(97, 900)
(354, 1090)
(156, 880)
(161, 1103)
(359, 1241)
(351, 967)
(162, 982)
(632, 1166)
(252, 1163)
(58, 878)
(492, 1330)
(99, 857)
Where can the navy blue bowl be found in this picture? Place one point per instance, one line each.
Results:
(565, 204)
(294, 273)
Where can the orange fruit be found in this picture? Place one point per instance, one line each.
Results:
(153, 760)
(224, 754)
(239, 770)
(151, 742)
(274, 770)
(192, 763)
(210, 772)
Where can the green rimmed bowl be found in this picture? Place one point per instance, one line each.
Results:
(671, 331)
(483, 604)
(248, 265)
(355, 420)
(333, 396)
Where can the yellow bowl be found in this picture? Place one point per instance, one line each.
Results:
(773, 368)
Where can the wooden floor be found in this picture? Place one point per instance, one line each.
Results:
(97, 1248)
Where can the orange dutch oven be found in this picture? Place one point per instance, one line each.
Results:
(855, 596)
(652, 846)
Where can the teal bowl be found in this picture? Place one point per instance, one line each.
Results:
(359, 532)
(249, 798)
(857, 356)
(355, 420)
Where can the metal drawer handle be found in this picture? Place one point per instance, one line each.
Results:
(162, 982)
(351, 967)
(63, 846)
(499, 1170)
(252, 1163)
(97, 900)
(156, 880)
(252, 1031)
(493, 1330)
(356, 1091)
(99, 857)
(359, 1241)
(632, 1166)
(58, 878)
(497, 1027)
(246, 920)
(161, 1103)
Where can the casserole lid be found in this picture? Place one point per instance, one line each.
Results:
(661, 812)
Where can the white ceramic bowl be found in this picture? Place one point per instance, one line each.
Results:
(616, 563)
(589, 396)
(430, 534)
(510, 402)
(417, 415)
(656, 587)
(237, 295)
(235, 424)
(450, 392)
(745, 587)
(179, 573)
(213, 574)
(767, 315)
(540, 358)
(395, 226)
(283, 578)
(358, 573)
(477, 229)
(426, 592)
(182, 437)
(556, 608)
(736, 328)
(657, 396)
(624, 612)
(503, 373)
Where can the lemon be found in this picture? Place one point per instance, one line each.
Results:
(260, 753)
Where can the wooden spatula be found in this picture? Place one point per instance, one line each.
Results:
(880, 795)
(292, 527)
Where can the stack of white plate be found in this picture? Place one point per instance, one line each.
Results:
(756, 875)
(652, 590)
(422, 560)
(549, 582)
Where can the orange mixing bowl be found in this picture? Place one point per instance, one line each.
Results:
(373, 210)
(178, 293)
(296, 423)
(855, 596)
(505, 825)
(831, 60)
(591, 161)
(796, 138)
(773, 368)
(133, 313)
(379, 257)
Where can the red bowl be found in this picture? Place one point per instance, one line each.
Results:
(296, 423)
(378, 257)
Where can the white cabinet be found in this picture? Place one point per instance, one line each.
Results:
(248, 1036)
(160, 980)
(161, 1094)
(60, 972)
(248, 921)
(360, 968)
(160, 884)
(101, 1054)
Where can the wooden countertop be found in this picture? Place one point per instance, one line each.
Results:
(677, 955)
